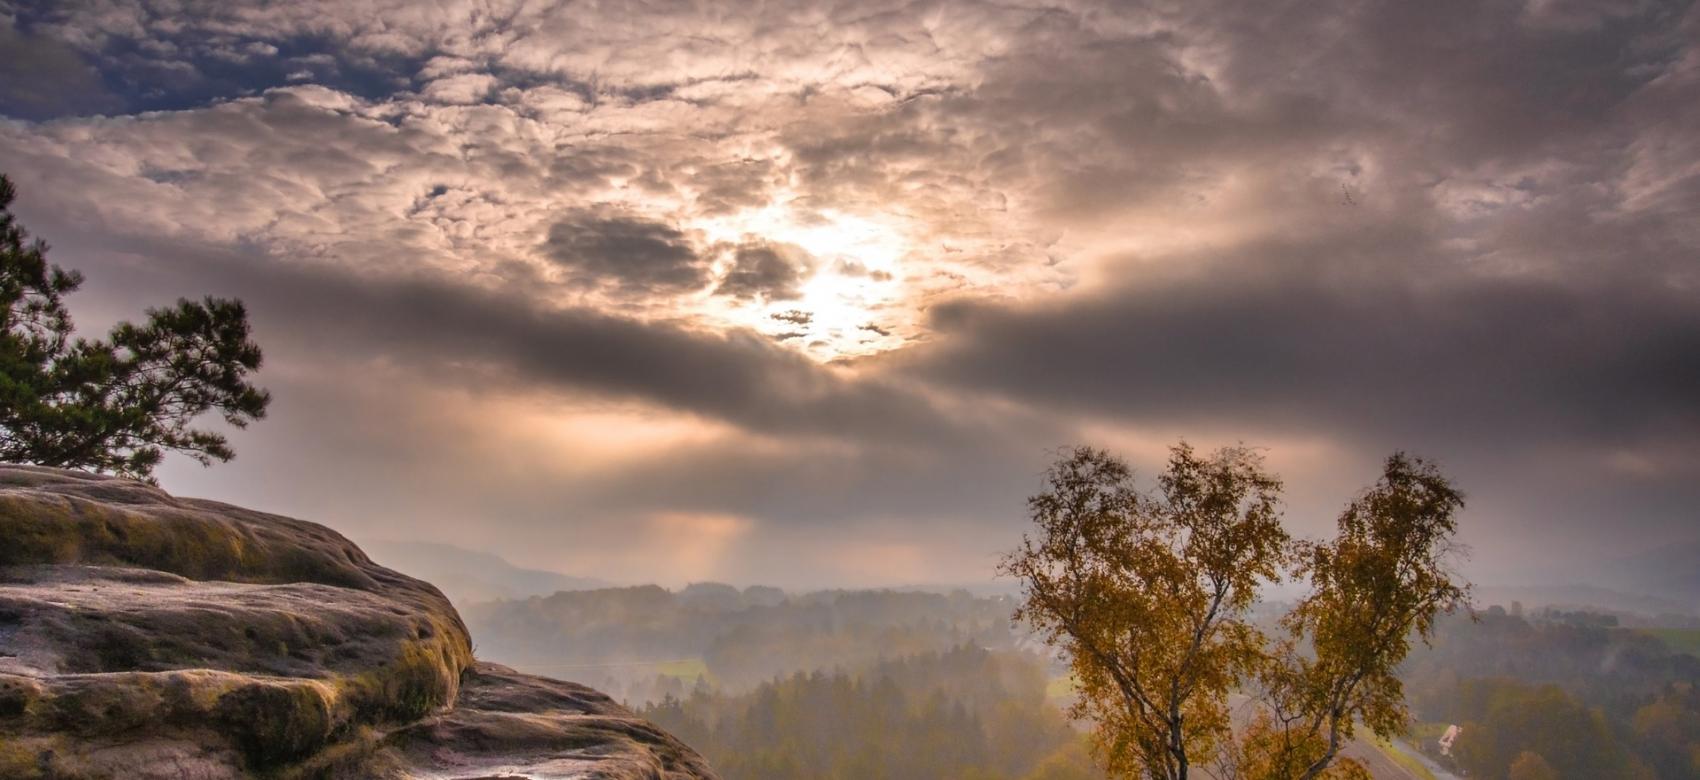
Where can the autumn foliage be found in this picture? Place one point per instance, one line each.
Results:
(1151, 594)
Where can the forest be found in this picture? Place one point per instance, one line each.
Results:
(824, 684)
(963, 714)
(771, 685)
(1568, 691)
(643, 643)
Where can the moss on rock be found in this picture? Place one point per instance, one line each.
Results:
(277, 723)
(148, 636)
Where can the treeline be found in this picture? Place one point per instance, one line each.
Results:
(964, 714)
(735, 638)
(1559, 696)
(777, 685)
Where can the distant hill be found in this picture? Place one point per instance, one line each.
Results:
(623, 640)
(1656, 584)
(1670, 571)
(469, 576)
(1572, 596)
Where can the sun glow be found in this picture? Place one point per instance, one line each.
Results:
(848, 302)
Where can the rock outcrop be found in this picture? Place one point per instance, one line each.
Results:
(147, 636)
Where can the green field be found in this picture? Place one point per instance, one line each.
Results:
(688, 669)
(1427, 731)
(1405, 760)
(1682, 640)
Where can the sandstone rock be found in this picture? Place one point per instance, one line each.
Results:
(147, 636)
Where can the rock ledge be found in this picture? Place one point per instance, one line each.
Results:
(147, 636)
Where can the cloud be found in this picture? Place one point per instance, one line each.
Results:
(765, 271)
(1428, 356)
(41, 78)
(637, 255)
(876, 260)
(511, 337)
(461, 88)
(793, 316)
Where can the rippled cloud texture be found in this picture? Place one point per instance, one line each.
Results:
(809, 293)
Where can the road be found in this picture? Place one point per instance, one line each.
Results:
(1379, 765)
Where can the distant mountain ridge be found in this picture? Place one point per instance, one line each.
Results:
(470, 576)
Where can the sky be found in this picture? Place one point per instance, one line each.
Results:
(809, 293)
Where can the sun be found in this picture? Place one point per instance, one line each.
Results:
(851, 301)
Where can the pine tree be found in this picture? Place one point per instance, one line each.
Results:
(114, 405)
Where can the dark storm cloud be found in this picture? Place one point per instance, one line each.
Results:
(1444, 359)
(1503, 269)
(773, 273)
(738, 376)
(637, 255)
(509, 339)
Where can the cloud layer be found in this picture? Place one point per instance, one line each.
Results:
(841, 277)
